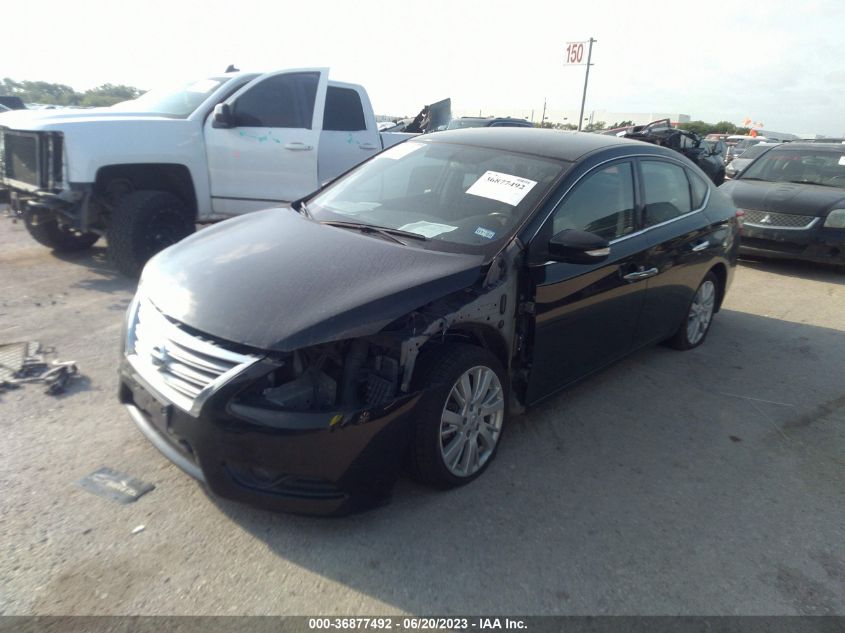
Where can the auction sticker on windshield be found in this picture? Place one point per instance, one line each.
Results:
(427, 229)
(502, 187)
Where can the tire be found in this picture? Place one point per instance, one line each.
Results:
(437, 437)
(700, 311)
(45, 229)
(144, 223)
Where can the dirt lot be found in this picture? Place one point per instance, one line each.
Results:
(706, 482)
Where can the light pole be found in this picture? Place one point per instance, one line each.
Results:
(586, 79)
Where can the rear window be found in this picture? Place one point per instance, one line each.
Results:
(344, 111)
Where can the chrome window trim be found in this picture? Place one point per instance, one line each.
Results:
(669, 159)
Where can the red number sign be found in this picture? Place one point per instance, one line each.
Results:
(574, 53)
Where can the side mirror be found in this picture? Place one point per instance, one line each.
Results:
(222, 116)
(578, 247)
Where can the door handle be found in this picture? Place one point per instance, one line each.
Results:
(703, 246)
(640, 274)
(298, 147)
(367, 146)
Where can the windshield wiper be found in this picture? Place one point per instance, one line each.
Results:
(386, 231)
(811, 182)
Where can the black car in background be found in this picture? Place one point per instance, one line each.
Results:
(709, 157)
(295, 358)
(793, 198)
(490, 121)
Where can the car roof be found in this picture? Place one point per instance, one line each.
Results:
(556, 144)
(829, 147)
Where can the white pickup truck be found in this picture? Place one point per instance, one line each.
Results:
(144, 172)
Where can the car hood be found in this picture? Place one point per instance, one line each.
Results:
(785, 197)
(275, 280)
(57, 119)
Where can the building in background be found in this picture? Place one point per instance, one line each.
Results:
(571, 116)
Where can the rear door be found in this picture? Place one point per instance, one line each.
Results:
(586, 314)
(270, 154)
(349, 135)
(679, 247)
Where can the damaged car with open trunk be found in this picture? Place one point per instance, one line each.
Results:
(297, 358)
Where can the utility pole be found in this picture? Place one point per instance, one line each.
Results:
(543, 120)
(586, 79)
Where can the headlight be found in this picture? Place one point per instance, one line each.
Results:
(130, 322)
(835, 219)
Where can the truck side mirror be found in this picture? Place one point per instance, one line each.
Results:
(222, 116)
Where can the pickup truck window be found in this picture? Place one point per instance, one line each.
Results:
(344, 112)
(280, 101)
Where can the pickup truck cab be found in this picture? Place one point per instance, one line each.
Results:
(144, 172)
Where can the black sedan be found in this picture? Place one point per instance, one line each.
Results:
(793, 199)
(295, 358)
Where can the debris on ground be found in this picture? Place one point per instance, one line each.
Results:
(117, 486)
(25, 362)
(138, 529)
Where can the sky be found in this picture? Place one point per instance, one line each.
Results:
(780, 63)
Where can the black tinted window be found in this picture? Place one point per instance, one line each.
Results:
(280, 101)
(667, 191)
(603, 203)
(699, 190)
(343, 111)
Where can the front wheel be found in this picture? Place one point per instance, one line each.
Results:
(693, 330)
(144, 223)
(46, 229)
(461, 418)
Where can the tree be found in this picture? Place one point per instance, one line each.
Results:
(109, 94)
(595, 127)
(621, 124)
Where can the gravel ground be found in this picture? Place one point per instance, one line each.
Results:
(705, 482)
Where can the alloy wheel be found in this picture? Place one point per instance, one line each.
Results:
(471, 421)
(701, 312)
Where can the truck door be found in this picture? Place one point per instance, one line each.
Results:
(269, 153)
(349, 134)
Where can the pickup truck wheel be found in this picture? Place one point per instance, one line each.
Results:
(144, 223)
(46, 229)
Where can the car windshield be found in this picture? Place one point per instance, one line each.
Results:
(175, 101)
(745, 144)
(806, 165)
(754, 152)
(456, 124)
(460, 198)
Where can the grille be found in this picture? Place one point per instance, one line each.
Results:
(767, 219)
(21, 157)
(182, 367)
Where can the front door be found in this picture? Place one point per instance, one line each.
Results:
(586, 314)
(270, 154)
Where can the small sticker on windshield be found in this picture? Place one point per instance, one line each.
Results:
(400, 151)
(485, 232)
(427, 229)
(502, 187)
(842, 160)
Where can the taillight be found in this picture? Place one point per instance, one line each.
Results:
(740, 219)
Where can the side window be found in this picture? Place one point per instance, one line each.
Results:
(343, 111)
(281, 101)
(667, 191)
(603, 203)
(699, 190)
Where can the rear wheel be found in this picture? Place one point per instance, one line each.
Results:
(144, 223)
(693, 330)
(45, 228)
(461, 418)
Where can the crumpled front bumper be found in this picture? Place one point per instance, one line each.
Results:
(325, 463)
